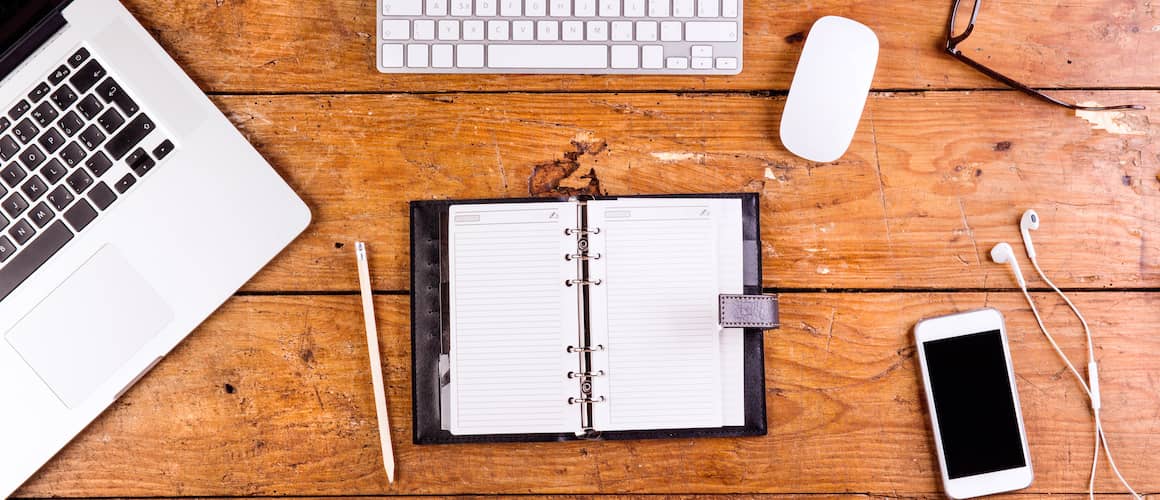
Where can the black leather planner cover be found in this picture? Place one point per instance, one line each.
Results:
(430, 336)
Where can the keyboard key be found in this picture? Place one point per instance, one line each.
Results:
(442, 55)
(416, 58)
(473, 30)
(59, 75)
(92, 137)
(15, 205)
(34, 255)
(536, 8)
(726, 63)
(8, 147)
(162, 150)
(80, 215)
(652, 57)
(436, 7)
(143, 166)
(547, 56)
(22, 231)
(19, 109)
(71, 124)
(572, 31)
(625, 57)
(547, 30)
(448, 30)
(402, 7)
(469, 56)
(560, 8)
(137, 156)
(646, 31)
(585, 8)
(41, 215)
(78, 57)
(396, 29)
(111, 120)
(73, 154)
(79, 181)
(658, 8)
(461, 7)
(25, 131)
(597, 31)
(44, 114)
(98, 164)
(64, 97)
(13, 174)
(682, 8)
(702, 51)
(32, 157)
(51, 140)
(53, 171)
(523, 30)
(708, 8)
(711, 31)
(392, 56)
(111, 91)
(40, 92)
(90, 106)
(677, 63)
(61, 197)
(125, 183)
(34, 188)
(4, 124)
(702, 63)
(425, 29)
(622, 31)
(102, 195)
(670, 31)
(7, 247)
(88, 76)
(511, 8)
(729, 8)
(634, 8)
(609, 8)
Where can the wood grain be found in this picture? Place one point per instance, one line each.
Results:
(250, 46)
(931, 182)
(271, 397)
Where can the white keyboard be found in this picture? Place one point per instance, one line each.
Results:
(639, 37)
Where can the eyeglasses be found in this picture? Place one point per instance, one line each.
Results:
(954, 39)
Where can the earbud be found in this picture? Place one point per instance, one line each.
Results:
(1029, 222)
(1003, 254)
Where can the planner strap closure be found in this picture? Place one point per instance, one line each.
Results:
(749, 311)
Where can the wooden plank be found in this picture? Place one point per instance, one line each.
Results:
(271, 397)
(272, 46)
(931, 182)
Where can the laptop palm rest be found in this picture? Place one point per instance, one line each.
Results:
(90, 326)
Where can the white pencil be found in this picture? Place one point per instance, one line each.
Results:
(364, 279)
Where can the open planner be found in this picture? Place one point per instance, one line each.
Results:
(588, 318)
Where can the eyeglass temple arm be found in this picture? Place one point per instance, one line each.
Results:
(954, 51)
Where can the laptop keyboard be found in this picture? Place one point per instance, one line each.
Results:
(58, 146)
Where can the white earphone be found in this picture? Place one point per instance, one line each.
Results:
(1003, 254)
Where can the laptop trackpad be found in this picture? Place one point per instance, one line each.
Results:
(90, 326)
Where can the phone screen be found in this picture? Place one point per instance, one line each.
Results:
(973, 404)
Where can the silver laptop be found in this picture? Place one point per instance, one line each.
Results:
(130, 209)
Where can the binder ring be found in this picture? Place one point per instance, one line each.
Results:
(596, 348)
(576, 230)
(581, 401)
(583, 282)
(598, 373)
(581, 256)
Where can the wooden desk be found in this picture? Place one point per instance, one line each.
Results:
(271, 396)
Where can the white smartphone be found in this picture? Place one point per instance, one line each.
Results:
(973, 403)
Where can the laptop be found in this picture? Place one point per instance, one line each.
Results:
(130, 209)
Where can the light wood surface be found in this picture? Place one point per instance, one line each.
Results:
(271, 396)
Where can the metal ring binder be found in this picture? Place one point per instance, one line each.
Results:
(598, 373)
(581, 256)
(583, 282)
(579, 230)
(596, 348)
(585, 401)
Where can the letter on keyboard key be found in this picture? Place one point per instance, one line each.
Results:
(609, 8)
(711, 31)
(585, 8)
(624, 57)
(485, 8)
(396, 29)
(560, 8)
(469, 56)
(497, 30)
(634, 8)
(402, 7)
(547, 56)
(34, 255)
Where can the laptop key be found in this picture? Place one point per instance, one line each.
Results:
(90, 106)
(12, 174)
(80, 215)
(78, 57)
(144, 166)
(8, 147)
(162, 150)
(51, 140)
(102, 195)
(25, 131)
(71, 124)
(79, 181)
(19, 109)
(34, 188)
(4, 124)
(111, 92)
(15, 205)
(99, 164)
(73, 154)
(125, 183)
(44, 114)
(22, 232)
(40, 92)
(7, 247)
(59, 75)
(64, 97)
(21, 266)
(32, 157)
(111, 120)
(92, 137)
(88, 76)
(53, 171)
(61, 197)
(41, 215)
(130, 136)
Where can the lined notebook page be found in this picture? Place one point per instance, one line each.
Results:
(656, 313)
(512, 318)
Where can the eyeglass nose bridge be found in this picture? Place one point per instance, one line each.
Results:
(954, 40)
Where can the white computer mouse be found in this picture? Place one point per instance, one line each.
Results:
(829, 89)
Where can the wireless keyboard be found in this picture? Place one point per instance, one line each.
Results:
(639, 37)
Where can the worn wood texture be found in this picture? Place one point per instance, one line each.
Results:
(271, 397)
(278, 46)
(932, 181)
